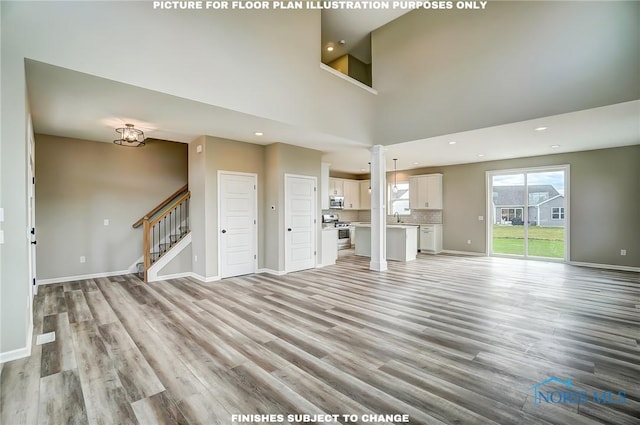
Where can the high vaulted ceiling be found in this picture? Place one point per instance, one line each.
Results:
(68, 103)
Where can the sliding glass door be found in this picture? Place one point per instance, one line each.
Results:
(528, 212)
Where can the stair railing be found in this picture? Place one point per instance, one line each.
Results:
(161, 205)
(167, 229)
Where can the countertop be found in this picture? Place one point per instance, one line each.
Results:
(391, 226)
(327, 229)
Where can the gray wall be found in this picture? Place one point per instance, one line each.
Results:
(284, 159)
(511, 62)
(197, 212)
(604, 203)
(80, 183)
(219, 155)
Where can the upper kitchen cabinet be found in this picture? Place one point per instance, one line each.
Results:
(336, 187)
(351, 193)
(365, 195)
(425, 192)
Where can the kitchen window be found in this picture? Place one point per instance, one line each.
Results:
(398, 200)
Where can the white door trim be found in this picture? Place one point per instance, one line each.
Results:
(255, 209)
(315, 218)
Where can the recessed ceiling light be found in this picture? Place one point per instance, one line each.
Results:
(480, 155)
(259, 133)
(415, 163)
(363, 169)
(329, 48)
(452, 142)
(541, 128)
(555, 146)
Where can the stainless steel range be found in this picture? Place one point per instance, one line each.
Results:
(344, 230)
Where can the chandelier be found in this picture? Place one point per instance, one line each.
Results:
(129, 136)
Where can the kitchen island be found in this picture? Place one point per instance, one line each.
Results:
(402, 241)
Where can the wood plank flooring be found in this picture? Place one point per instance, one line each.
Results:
(443, 339)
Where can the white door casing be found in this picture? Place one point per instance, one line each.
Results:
(300, 222)
(237, 223)
(31, 183)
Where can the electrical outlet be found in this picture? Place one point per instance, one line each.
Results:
(469, 242)
(480, 218)
(106, 221)
(623, 252)
(83, 259)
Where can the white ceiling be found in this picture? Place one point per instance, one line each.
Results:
(598, 128)
(72, 104)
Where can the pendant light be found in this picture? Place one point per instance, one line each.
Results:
(395, 175)
(369, 178)
(130, 136)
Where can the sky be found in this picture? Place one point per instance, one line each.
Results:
(554, 178)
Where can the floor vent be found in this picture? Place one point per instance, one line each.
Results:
(45, 338)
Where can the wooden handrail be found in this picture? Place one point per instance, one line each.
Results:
(169, 209)
(160, 206)
(149, 225)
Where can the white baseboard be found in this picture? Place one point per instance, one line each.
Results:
(175, 276)
(605, 266)
(475, 254)
(20, 353)
(202, 278)
(80, 277)
(271, 271)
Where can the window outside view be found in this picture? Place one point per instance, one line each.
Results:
(534, 228)
(399, 200)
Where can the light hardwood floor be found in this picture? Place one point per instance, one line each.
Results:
(444, 340)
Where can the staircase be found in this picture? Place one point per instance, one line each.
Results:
(163, 227)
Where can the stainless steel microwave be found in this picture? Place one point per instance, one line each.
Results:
(336, 202)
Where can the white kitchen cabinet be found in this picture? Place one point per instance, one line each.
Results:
(329, 246)
(365, 195)
(425, 192)
(351, 194)
(430, 238)
(336, 187)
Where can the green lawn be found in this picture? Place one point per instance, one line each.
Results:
(543, 241)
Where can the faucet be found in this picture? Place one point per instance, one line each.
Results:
(397, 216)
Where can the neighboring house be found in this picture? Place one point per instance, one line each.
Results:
(546, 206)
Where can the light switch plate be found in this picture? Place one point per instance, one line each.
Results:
(1, 236)
(106, 221)
(1, 215)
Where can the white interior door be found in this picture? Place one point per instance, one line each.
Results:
(237, 194)
(300, 222)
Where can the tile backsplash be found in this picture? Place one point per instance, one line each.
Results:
(416, 216)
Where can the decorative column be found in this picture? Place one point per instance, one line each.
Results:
(378, 210)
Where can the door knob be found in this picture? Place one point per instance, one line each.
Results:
(289, 229)
(224, 231)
